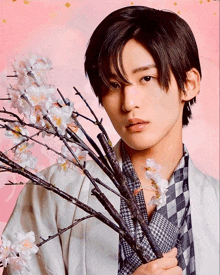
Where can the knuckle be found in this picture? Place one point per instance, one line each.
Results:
(179, 270)
(154, 266)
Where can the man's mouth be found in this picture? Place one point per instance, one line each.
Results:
(136, 125)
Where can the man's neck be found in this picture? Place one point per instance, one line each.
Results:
(167, 154)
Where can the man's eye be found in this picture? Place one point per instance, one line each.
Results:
(146, 78)
(115, 85)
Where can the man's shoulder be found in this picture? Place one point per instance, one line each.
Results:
(201, 180)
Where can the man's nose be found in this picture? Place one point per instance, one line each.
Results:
(130, 99)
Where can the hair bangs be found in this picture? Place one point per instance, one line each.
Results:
(111, 65)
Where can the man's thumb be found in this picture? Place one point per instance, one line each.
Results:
(172, 253)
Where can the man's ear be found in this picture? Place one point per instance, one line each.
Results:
(192, 85)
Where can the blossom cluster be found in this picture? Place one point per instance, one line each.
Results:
(35, 99)
(22, 154)
(68, 162)
(17, 252)
(160, 185)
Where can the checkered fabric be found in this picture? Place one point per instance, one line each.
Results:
(170, 224)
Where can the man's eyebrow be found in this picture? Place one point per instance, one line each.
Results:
(144, 68)
(139, 69)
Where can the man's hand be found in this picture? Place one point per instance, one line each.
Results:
(164, 266)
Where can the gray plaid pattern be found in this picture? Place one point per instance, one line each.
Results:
(170, 224)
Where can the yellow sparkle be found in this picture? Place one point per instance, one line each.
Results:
(200, 2)
(175, 3)
(53, 15)
(132, 3)
(26, 2)
(67, 4)
(178, 12)
(4, 20)
(214, 13)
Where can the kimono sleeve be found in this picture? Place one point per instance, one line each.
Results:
(35, 210)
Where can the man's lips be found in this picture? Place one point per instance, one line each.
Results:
(135, 121)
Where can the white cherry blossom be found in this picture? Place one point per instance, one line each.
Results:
(24, 244)
(65, 164)
(23, 147)
(18, 264)
(61, 117)
(5, 250)
(17, 135)
(41, 96)
(160, 185)
(26, 160)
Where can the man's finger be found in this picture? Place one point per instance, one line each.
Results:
(172, 253)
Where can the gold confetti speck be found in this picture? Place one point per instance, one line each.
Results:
(67, 5)
(200, 2)
(178, 12)
(26, 2)
(214, 13)
(132, 3)
(53, 15)
(13, 0)
(208, 0)
(175, 3)
(4, 20)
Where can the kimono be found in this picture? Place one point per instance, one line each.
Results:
(91, 247)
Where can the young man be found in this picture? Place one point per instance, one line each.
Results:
(144, 67)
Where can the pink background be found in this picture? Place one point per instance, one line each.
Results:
(54, 29)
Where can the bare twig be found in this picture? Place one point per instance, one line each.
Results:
(99, 123)
(14, 183)
(12, 114)
(61, 231)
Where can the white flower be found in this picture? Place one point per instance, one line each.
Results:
(32, 71)
(24, 244)
(23, 148)
(65, 164)
(17, 135)
(18, 264)
(157, 200)
(5, 250)
(152, 172)
(151, 168)
(61, 117)
(40, 63)
(16, 101)
(69, 103)
(26, 160)
(41, 96)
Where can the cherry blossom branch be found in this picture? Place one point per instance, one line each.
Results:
(40, 143)
(12, 75)
(81, 143)
(77, 114)
(27, 138)
(14, 183)
(12, 114)
(78, 124)
(125, 191)
(61, 231)
(15, 168)
(99, 123)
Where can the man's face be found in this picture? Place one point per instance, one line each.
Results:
(143, 114)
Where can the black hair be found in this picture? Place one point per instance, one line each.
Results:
(165, 35)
